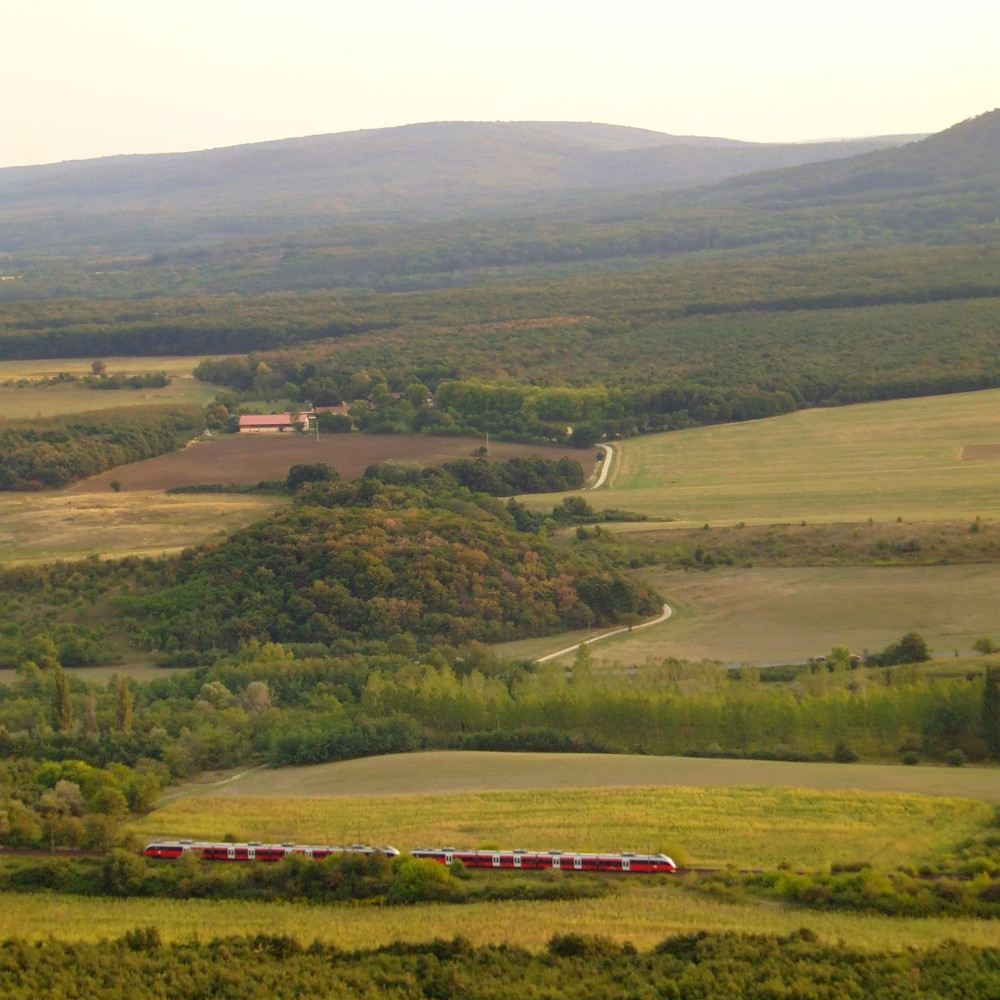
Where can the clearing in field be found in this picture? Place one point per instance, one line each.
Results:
(910, 458)
(38, 527)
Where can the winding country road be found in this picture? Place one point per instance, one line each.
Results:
(609, 454)
(664, 615)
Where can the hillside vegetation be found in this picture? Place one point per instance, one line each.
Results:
(584, 296)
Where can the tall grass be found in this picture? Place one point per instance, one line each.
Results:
(641, 913)
(746, 827)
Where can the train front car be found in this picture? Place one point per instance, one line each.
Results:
(521, 860)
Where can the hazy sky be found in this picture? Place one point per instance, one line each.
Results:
(85, 78)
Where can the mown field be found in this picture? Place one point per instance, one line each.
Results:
(777, 615)
(920, 476)
(448, 772)
(920, 459)
(45, 527)
(30, 399)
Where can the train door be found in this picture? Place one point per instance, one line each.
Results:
(231, 853)
(556, 861)
(496, 860)
(626, 864)
(251, 853)
(577, 863)
(517, 860)
(448, 856)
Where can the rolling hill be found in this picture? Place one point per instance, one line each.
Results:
(414, 172)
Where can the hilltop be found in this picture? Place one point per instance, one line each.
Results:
(413, 172)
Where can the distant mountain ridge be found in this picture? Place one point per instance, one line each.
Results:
(289, 183)
(516, 178)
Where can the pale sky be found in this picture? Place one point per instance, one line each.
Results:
(87, 78)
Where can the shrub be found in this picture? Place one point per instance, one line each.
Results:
(843, 754)
(955, 758)
(910, 758)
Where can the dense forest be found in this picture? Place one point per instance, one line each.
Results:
(53, 452)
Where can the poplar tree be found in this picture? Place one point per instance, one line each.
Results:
(991, 710)
(62, 707)
(123, 704)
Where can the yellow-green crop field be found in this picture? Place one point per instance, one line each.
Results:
(746, 827)
(919, 459)
(642, 913)
(44, 527)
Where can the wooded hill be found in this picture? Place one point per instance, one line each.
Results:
(136, 203)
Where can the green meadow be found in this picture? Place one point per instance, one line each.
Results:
(935, 458)
(778, 615)
(23, 394)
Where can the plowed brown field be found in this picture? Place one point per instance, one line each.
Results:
(249, 458)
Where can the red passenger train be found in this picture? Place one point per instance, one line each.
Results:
(518, 860)
(254, 850)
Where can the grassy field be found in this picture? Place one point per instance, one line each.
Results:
(640, 913)
(36, 371)
(775, 615)
(32, 400)
(447, 772)
(44, 527)
(919, 459)
(750, 827)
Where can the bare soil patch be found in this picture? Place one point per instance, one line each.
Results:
(249, 458)
(981, 452)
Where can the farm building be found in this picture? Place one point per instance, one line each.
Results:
(273, 423)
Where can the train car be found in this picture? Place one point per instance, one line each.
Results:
(254, 850)
(521, 860)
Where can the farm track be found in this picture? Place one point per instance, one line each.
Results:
(662, 617)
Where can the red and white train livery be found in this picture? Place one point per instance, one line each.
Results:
(515, 860)
(254, 850)
(518, 860)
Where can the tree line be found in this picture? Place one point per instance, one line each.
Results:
(53, 452)
(697, 965)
